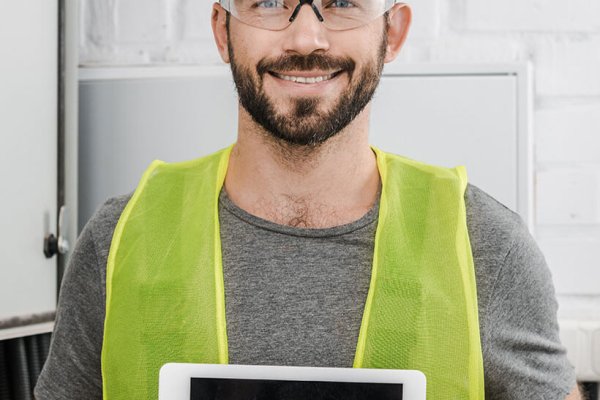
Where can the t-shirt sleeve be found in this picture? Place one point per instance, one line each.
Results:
(73, 369)
(525, 358)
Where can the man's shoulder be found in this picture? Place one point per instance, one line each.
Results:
(517, 304)
(492, 225)
(494, 230)
(102, 224)
(110, 210)
(108, 214)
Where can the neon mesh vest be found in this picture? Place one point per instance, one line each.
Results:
(165, 297)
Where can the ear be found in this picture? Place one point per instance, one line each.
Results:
(219, 26)
(399, 19)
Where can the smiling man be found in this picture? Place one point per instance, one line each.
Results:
(302, 245)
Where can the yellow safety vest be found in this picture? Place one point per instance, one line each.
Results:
(165, 297)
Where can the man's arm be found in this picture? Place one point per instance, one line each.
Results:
(73, 368)
(523, 356)
(524, 345)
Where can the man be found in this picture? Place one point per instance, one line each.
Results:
(302, 245)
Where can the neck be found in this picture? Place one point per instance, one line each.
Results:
(314, 187)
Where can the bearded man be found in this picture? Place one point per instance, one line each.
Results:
(303, 245)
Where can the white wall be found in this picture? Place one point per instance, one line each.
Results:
(561, 39)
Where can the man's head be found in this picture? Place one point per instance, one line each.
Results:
(305, 83)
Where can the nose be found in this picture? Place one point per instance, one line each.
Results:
(306, 33)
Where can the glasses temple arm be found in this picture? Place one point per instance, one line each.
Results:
(225, 4)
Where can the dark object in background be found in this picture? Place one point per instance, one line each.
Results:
(590, 390)
(21, 361)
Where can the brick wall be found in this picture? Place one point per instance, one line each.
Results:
(561, 39)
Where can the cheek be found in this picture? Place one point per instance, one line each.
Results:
(362, 44)
(250, 45)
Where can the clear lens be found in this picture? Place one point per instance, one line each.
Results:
(337, 14)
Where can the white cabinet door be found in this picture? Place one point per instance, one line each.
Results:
(453, 120)
(28, 156)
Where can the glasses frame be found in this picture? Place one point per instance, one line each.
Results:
(226, 4)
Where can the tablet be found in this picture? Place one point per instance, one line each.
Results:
(251, 382)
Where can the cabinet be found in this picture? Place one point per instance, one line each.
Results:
(446, 114)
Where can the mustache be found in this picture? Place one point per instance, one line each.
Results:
(297, 62)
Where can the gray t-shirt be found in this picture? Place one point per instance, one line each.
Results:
(295, 297)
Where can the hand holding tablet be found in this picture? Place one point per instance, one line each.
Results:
(249, 382)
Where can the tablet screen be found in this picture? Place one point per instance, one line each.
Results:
(261, 389)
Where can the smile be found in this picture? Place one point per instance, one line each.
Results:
(305, 79)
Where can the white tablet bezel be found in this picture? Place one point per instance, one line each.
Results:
(175, 378)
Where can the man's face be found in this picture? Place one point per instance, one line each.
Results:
(306, 95)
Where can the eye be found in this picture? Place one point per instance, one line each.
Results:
(269, 4)
(341, 4)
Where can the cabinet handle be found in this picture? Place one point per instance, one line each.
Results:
(58, 245)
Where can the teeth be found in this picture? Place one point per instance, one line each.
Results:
(301, 79)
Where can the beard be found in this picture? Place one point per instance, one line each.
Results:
(306, 125)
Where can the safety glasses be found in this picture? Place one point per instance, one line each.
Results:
(336, 15)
